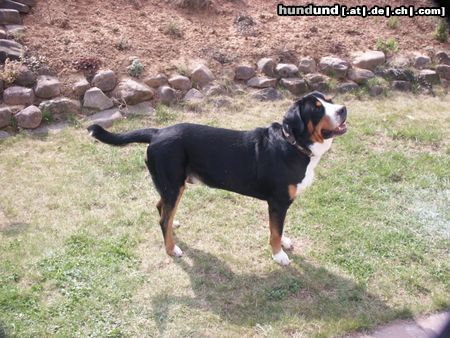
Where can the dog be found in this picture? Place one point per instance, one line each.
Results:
(273, 164)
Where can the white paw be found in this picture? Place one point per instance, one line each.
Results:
(177, 251)
(286, 243)
(176, 224)
(281, 258)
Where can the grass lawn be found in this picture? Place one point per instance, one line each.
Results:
(81, 251)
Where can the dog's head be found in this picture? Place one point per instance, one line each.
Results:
(315, 118)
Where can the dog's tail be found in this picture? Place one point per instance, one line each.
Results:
(141, 135)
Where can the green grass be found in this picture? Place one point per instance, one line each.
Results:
(82, 254)
(388, 46)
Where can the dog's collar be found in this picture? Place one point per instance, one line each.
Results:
(291, 139)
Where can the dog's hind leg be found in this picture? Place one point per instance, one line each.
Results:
(168, 208)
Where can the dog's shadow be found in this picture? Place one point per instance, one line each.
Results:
(300, 290)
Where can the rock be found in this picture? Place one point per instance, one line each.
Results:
(180, 82)
(369, 60)
(421, 61)
(307, 65)
(61, 107)
(4, 134)
(266, 66)
(166, 95)
(360, 75)
(94, 98)
(25, 77)
(267, 94)
(442, 58)
(403, 86)
(399, 74)
(80, 87)
(400, 61)
(443, 71)
(5, 116)
(376, 90)
(17, 95)
(295, 85)
(141, 109)
(106, 118)
(2, 87)
(445, 83)
(10, 49)
(47, 87)
(12, 30)
(334, 66)
(202, 75)
(10, 17)
(286, 70)
(30, 3)
(29, 118)
(22, 8)
(244, 72)
(3, 34)
(215, 89)
(156, 81)
(132, 92)
(428, 76)
(105, 80)
(262, 82)
(193, 95)
(317, 81)
(346, 87)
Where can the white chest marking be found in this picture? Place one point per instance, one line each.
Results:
(317, 149)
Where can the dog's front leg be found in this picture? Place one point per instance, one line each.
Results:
(277, 214)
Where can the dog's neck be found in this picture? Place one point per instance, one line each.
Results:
(291, 139)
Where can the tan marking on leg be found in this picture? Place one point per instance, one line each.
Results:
(275, 237)
(292, 190)
(169, 242)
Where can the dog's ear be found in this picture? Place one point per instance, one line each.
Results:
(292, 121)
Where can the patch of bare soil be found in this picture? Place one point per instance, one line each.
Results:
(229, 32)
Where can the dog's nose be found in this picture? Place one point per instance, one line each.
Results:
(342, 113)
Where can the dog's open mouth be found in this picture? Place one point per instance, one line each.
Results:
(341, 130)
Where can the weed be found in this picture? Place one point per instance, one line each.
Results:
(332, 84)
(18, 36)
(122, 44)
(35, 63)
(182, 69)
(136, 68)
(10, 71)
(388, 46)
(87, 64)
(173, 29)
(441, 32)
(393, 22)
(47, 116)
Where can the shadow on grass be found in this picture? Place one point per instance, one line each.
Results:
(301, 291)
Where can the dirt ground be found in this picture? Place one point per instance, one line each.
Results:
(162, 34)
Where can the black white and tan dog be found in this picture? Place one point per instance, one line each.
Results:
(273, 164)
